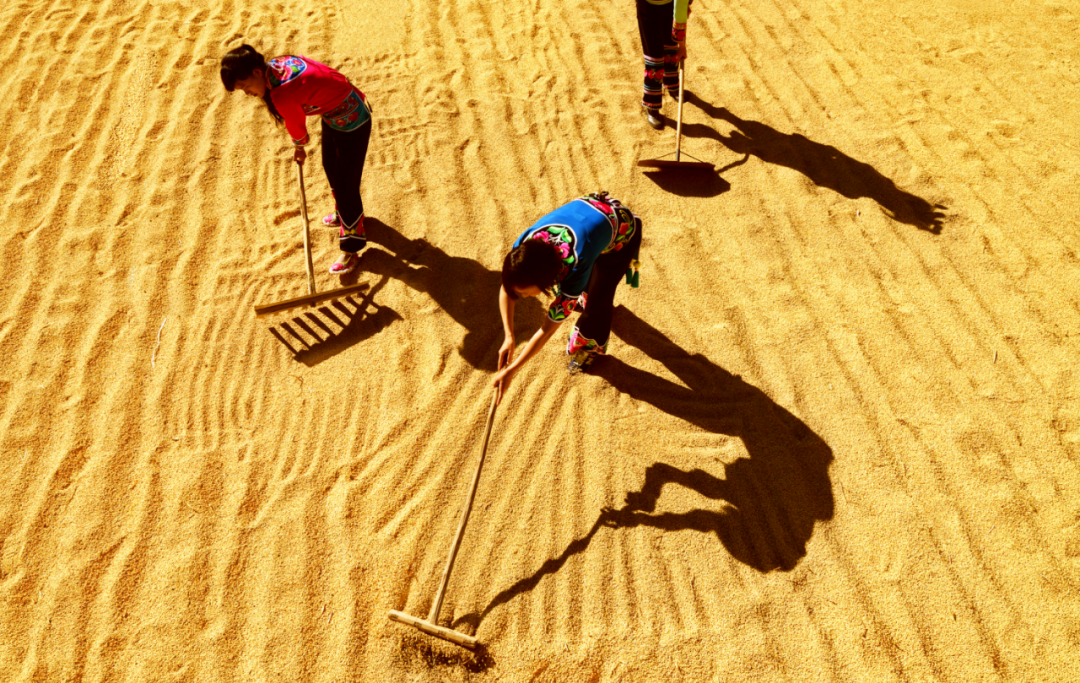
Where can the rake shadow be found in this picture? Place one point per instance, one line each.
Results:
(826, 166)
(354, 318)
(775, 496)
(689, 183)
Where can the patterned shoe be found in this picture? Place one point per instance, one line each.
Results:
(652, 117)
(345, 264)
(332, 220)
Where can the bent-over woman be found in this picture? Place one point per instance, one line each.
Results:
(293, 88)
(579, 253)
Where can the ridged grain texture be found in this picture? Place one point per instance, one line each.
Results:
(837, 438)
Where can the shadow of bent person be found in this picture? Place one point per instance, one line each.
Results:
(774, 497)
(826, 166)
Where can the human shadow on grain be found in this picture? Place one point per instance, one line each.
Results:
(434, 654)
(465, 289)
(826, 166)
(774, 497)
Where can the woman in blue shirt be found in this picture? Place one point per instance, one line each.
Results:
(579, 253)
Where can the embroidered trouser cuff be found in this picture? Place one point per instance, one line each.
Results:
(654, 73)
(352, 238)
(579, 342)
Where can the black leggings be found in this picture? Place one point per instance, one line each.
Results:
(594, 326)
(654, 27)
(343, 156)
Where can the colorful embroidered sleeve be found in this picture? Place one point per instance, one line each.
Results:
(678, 28)
(284, 78)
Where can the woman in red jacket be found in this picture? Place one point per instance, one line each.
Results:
(294, 88)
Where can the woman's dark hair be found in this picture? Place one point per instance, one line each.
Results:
(238, 64)
(535, 263)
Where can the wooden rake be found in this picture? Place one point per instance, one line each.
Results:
(697, 164)
(430, 625)
(313, 297)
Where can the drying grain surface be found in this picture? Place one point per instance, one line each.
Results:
(837, 438)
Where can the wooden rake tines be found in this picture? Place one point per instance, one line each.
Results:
(312, 297)
(677, 162)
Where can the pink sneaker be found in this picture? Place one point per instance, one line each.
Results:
(332, 220)
(345, 264)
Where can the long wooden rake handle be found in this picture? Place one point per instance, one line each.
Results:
(678, 124)
(307, 230)
(433, 615)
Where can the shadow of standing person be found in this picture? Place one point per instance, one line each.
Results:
(774, 497)
(826, 166)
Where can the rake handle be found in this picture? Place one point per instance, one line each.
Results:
(433, 616)
(307, 230)
(678, 124)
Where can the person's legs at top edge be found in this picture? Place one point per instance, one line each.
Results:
(654, 27)
(589, 337)
(344, 154)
